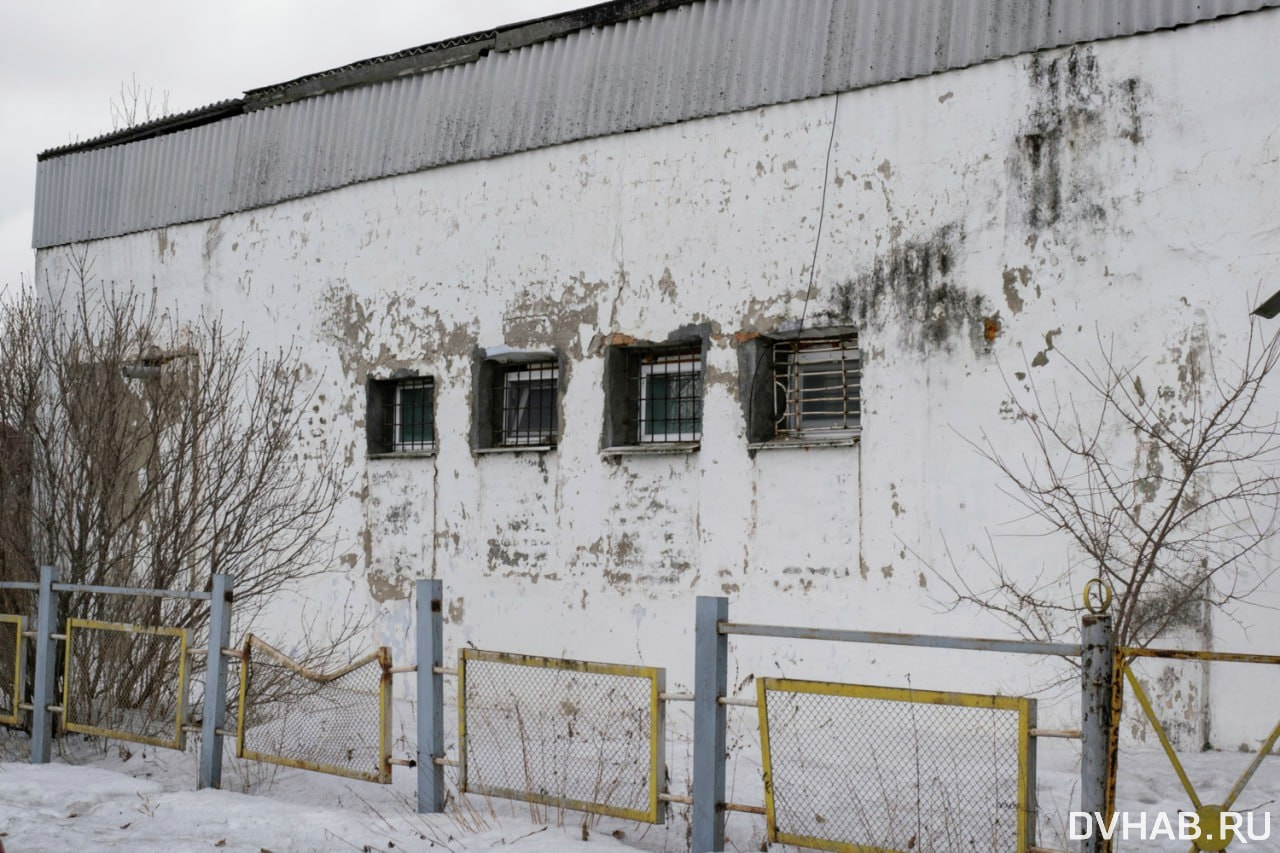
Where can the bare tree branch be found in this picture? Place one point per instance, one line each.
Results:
(1177, 525)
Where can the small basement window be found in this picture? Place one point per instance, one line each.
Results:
(817, 388)
(653, 395)
(400, 415)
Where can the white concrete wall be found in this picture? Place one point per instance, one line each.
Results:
(1127, 191)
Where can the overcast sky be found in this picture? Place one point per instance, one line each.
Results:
(62, 63)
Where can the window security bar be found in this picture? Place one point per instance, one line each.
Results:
(668, 389)
(817, 387)
(412, 418)
(526, 400)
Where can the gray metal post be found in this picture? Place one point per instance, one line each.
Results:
(430, 630)
(710, 682)
(215, 684)
(46, 667)
(1097, 669)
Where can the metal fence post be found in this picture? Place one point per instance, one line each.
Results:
(215, 684)
(430, 631)
(710, 683)
(1097, 671)
(46, 667)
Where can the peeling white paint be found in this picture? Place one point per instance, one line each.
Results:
(1157, 222)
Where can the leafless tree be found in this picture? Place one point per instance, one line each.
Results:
(1167, 494)
(136, 105)
(141, 451)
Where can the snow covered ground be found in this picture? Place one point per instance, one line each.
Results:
(116, 796)
(148, 803)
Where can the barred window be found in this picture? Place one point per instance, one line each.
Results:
(400, 415)
(817, 387)
(669, 392)
(527, 404)
(414, 417)
(653, 397)
(516, 400)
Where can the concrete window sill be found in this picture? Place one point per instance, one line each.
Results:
(515, 448)
(656, 448)
(403, 454)
(805, 443)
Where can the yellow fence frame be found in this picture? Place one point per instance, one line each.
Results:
(19, 658)
(1208, 812)
(1023, 706)
(381, 655)
(656, 676)
(179, 740)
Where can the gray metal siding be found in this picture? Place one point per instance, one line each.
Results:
(702, 59)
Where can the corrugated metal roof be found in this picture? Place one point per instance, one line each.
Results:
(688, 61)
(157, 127)
(456, 50)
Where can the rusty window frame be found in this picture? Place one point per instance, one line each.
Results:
(831, 406)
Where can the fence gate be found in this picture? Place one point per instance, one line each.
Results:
(12, 666)
(861, 768)
(337, 722)
(145, 701)
(1178, 698)
(573, 734)
(119, 680)
(851, 767)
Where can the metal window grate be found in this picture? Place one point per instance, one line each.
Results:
(526, 404)
(668, 391)
(817, 387)
(412, 416)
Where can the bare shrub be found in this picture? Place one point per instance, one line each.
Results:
(142, 451)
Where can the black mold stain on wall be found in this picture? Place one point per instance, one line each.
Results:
(912, 287)
(1064, 121)
(1056, 167)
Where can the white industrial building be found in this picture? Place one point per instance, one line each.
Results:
(662, 298)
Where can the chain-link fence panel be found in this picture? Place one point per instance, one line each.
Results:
(11, 668)
(337, 722)
(126, 681)
(851, 767)
(579, 735)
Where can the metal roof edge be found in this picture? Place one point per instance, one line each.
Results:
(458, 50)
(589, 83)
(158, 127)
